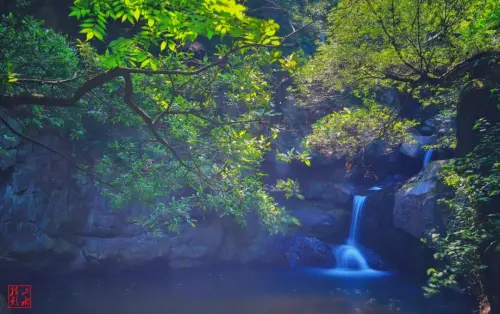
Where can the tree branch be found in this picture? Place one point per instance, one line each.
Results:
(51, 82)
(128, 98)
(447, 78)
(71, 161)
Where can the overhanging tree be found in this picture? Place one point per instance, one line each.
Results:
(411, 44)
(188, 126)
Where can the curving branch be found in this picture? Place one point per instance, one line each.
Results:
(30, 99)
(8, 101)
(48, 82)
(34, 141)
(460, 69)
(150, 123)
(98, 80)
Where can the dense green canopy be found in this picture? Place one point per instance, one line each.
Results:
(184, 131)
(183, 128)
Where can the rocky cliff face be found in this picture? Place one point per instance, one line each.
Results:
(50, 219)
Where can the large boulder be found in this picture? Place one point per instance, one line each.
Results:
(302, 250)
(415, 208)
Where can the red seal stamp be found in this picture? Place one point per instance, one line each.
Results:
(19, 297)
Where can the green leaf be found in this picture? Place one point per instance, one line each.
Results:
(87, 25)
(145, 62)
(171, 46)
(90, 35)
(270, 32)
(163, 45)
(151, 22)
(86, 30)
(137, 14)
(99, 36)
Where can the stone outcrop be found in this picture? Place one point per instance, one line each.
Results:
(52, 219)
(415, 208)
(337, 193)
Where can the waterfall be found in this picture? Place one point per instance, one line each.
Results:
(357, 207)
(427, 158)
(349, 256)
(322, 35)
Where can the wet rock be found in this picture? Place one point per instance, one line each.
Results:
(415, 209)
(414, 149)
(338, 193)
(302, 250)
(323, 223)
(51, 220)
(122, 251)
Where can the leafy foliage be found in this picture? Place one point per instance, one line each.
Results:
(30, 51)
(290, 187)
(349, 132)
(476, 181)
(298, 14)
(168, 24)
(182, 133)
(410, 44)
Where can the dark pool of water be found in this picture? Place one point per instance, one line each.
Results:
(234, 290)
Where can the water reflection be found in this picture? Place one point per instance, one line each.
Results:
(235, 290)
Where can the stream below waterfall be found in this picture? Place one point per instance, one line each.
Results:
(229, 290)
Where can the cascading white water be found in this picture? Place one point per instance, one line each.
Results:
(351, 263)
(349, 256)
(427, 158)
(357, 208)
(375, 188)
(322, 36)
